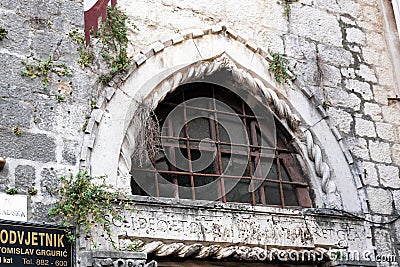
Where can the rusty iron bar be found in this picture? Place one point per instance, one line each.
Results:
(281, 150)
(225, 151)
(217, 175)
(213, 110)
(249, 161)
(188, 147)
(217, 138)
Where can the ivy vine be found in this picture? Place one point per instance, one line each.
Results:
(286, 6)
(85, 201)
(113, 36)
(42, 69)
(3, 33)
(12, 191)
(279, 67)
(86, 57)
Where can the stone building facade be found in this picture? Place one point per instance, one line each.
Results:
(341, 112)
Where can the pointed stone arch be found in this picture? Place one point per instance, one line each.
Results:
(163, 66)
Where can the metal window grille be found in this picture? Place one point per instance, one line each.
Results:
(283, 184)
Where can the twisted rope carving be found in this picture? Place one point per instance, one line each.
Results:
(200, 251)
(322, 170)
(281, 108)
(314, 153)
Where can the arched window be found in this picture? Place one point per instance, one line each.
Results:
(282, 184)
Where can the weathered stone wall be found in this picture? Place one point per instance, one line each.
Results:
(337, 49)
(51, 131)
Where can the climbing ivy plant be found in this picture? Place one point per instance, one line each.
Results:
(113, 37)
(38, 68)
(286, 6)
(86, 201)
(279, 67)
(3, 33)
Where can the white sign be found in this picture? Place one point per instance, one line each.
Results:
(14, 207)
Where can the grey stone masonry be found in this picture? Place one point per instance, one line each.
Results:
(40, 138)
(34, 147)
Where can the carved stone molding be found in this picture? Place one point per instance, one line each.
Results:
(114, 259)
(323, 171)
(240, 253)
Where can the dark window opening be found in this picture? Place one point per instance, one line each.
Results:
(282, 185)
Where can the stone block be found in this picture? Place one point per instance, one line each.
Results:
(13, 73)
(13, 113)
(331, 76)
(355, 35)
(36, 147)
(70, 152)
(44, 42)
(396, 154)
(387, 131)
(380, 200)
(396, 199)
(365, 128)
(45, 112)
(273, 40)
(334, 55)
(306, 71)
(49, 181)
(366, 73)
(373, 110)
(362, 88)
(177, 38)
(340, 6)
(336, 133)
(315, 24)
(380, 152)
(139, 59)
(348, 73)
(18, 33)
(216, 29)
(375, 56)
(391, 114)
(342, 119)
(299, 48)
(340, 98)
(370, 173)
(40, 213)
(380, 94)
(24, 178)
(376, 40)
(389, 176)
(5, 175)
(74, 15)
(359, 148)
(196, 33)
